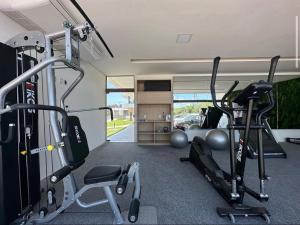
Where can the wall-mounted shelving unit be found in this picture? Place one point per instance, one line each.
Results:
(154, 112)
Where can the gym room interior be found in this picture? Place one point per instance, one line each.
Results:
(149, 112)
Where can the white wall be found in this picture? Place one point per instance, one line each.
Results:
(281, 134)
(89, 93)
(8, 28)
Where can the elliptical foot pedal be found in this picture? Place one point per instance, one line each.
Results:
(244, 211)
(184, 159)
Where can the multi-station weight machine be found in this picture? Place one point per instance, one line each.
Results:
(69, 138)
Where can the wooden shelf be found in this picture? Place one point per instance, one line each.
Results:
(145, 142)
(154, 97)
(146, 132)
(151, 109)
(162, 142)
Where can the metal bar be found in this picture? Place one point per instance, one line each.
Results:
(261, 164)
(26, 75)
(68, 199)
(269, 129)
(113, 204)
(92, 204)
(59, 67)
(60, 34)
(70, 89)
(82, 110)
(93, 109)
(134, 176)
(82, 12)
(273, 65)
(234, 193)
(52, 101)
(85, 110)
(230, 90)
(242, 162)
(137, 190)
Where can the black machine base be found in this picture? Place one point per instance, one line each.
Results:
(244, 211)
(293, 140)
(267, 155)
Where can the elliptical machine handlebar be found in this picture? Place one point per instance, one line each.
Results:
(213, 89)
(223, 107)
(272, 69)
(271, 102)
(230, 90)
(213, 82)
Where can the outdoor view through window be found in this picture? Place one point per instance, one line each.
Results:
(190, 110)
(120, 97)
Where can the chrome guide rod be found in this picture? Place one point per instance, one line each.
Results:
(52, 101)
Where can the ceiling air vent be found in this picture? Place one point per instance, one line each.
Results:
(183, 38)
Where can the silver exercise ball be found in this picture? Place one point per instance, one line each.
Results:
(217, 139)
(179, 139)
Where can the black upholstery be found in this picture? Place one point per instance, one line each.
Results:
(102, 173)
(77, 149)
(76, 145)
(253, 91)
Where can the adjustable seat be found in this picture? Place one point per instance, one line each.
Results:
(76, 150)
(102, 174)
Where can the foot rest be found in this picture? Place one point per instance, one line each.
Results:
(244, 211)
(134, 209)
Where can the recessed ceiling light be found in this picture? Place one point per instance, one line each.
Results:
(183, 38)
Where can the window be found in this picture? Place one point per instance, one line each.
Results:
(190, 109)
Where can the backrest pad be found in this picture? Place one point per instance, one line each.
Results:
(76, 145)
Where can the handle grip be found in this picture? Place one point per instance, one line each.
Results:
(213, 80)
(273, 65)
(111, 111)
(122, 184)
(60, 174)
(43, 107)
(134, 209)
(10, 136)
(229, 92)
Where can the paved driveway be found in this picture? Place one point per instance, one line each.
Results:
(126, 135)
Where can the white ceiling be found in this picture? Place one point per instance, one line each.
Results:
(144, 29)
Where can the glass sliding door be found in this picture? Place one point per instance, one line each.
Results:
(120, 97)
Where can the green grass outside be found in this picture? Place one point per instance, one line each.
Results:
(117, 125)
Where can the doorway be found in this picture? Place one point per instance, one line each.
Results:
(120, 97)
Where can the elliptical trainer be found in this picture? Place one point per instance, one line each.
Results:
(231, 186)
